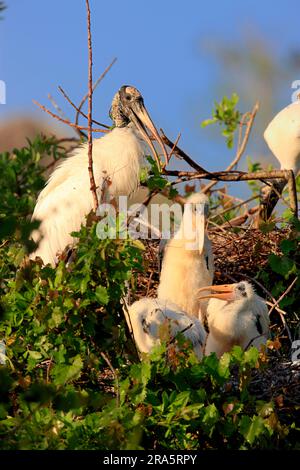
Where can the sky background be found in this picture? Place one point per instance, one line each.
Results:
(164, 48)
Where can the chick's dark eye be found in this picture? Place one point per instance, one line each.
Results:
(128, 97)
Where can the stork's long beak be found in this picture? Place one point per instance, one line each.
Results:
(140, 117)
(222, 292)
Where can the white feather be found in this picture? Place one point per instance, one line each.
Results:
(283, 137)
(235, 322)
(67, 199)
(185, 271)
(148, 317)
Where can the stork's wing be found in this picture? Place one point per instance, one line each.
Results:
(262, 313)
(61, 212)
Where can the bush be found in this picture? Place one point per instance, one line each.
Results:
(72, 378)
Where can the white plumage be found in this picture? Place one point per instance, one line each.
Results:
(236, 315)
(283, 137)
(64, 203)
(153, 319)
(188, 260)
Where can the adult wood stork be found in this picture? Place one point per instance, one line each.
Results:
(66, 200)
(236, 315)
(283, 137)
(153, 320)
(188, 261)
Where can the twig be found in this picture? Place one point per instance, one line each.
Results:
(182, 331)
(181, 153)
(103, 355)
(90, 107)
(174, 146)
(66, 121)
(55, 106)
(284, 294)
(77, 109)
(94, 87)
(233, 207)
(253, 339)
(241, 147)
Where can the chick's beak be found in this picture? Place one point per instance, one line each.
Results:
(140, 117)
(222, 292)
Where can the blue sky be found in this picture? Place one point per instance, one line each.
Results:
(158, 46)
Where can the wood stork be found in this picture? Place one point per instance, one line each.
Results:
(66, 200)
(283, 137)
(153, 320)
(188, 260)
(236, 315)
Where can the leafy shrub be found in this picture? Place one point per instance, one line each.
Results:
(72, 379)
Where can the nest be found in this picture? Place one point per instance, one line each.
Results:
(237, 257)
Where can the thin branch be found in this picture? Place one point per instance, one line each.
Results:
(77, 109)
(284, 294)
(174, 146)
(104, 356)
(94, 87)
(90, 108)
(66, 121)
(182, 154)
(214, 216)
(241, 146)
(55, 106)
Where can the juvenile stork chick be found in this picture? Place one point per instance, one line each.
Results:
(236, 315)
(151, 319)
(188, 261)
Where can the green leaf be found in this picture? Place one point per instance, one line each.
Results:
(64, 373)
(287, 246)
(282, 265)
(251, 428)
(102, 295)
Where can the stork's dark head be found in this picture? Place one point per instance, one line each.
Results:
(128, 108)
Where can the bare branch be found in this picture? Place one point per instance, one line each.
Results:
(77, 109)
(66, 121)
(181, 153)
(90, 108)
(94, 87)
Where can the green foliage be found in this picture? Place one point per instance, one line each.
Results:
(72, 379)
(282, 269)
(22, 178)
(226, 115)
